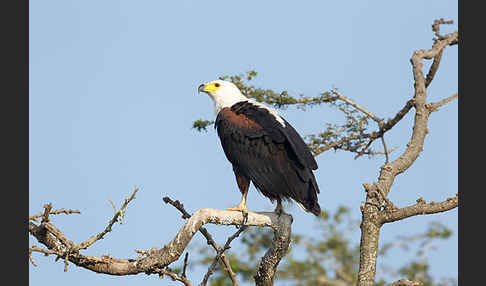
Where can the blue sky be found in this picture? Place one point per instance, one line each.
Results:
(113, 93)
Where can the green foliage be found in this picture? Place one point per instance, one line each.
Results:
(276, 99)
(268, 96)
(350, 136)
(201, 125)
(327, 256)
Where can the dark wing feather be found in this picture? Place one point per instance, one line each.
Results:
(301, 149)
(277, 132)
(262, 152)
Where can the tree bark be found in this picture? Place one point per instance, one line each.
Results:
(281, 242)
(157, 259)
(372, 215)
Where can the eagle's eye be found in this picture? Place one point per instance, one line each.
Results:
(216, 84)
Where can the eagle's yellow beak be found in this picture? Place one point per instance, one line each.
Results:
(209, 87)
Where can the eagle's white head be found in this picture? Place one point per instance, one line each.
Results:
(226, 94)
(223, 93)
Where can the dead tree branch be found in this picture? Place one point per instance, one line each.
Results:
(209, 238)
(372, 215)
(321, 146)
(173, 276)
(434, 106)
(420, 208)
(220, 252)
(156, 260)
(93, 239)
(280, 245)
(59, 211)
(355, 105)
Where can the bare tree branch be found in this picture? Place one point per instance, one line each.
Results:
(173, 276)
(220, 252)
(385, 149)
(433, 69)
(59, 211)
(420, 208)
(47, 210)
(280, 245)
(436, 27)
(355, 105)
(157, 260)
(371, 212)
(372, 116)
(209, 238)
(185, 265)
(385, 126)
(93, 239)
(30, 256)
(435, 105)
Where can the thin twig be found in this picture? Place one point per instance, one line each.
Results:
(142, 253)
(45, 251)
(47, 210)
(59, 211)
(361, 153)
(355, 105)
(384, 148)
(433, 69)
(66, 262)
(31, 258)
(435, 105)
(386, 126)
(436, 27)
(220, 252)
(185, 215)
(178, 205)
(185, 265)
(93, 239)
(173, 276)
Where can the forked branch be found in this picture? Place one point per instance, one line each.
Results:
(373, 216)
(155, 261)
(224, 260)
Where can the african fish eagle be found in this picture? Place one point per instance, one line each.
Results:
(263, 148)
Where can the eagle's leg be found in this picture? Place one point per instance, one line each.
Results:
(243, 184)
(279, 209)
(241, 206)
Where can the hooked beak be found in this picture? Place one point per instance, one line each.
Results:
(201, 88)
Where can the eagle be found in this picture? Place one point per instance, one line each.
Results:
(263, 148)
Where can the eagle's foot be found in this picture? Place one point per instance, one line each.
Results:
(243, 210)
(279, 212)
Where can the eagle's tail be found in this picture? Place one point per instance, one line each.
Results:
(309, 201)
